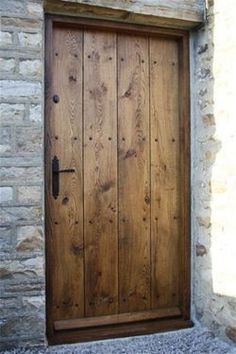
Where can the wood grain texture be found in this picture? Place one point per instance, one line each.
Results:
(65, 219)
(100, 173)
(185, 162)
(116, 319)
(47, 174)
(184, 14)
(119, 330)
(134, 169)
(183, 9)
(118, 242)
(165, 172)
(123, 27)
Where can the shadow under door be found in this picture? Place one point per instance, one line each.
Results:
(116, 180)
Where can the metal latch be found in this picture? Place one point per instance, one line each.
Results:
(55, 176)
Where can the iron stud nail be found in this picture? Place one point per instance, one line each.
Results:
(56, 99)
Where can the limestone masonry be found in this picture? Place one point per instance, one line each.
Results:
(22, 275)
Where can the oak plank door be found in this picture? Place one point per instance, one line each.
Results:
(116, 167)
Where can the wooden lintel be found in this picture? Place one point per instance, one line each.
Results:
(182, 14)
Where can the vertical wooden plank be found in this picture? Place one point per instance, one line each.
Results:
(134, 170)
(64, 139)
(100, 173)
(47, 173)
(184, 104)
(165, 172)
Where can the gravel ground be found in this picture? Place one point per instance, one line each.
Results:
(197, 340)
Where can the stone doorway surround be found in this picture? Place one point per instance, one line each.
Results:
(22, 270)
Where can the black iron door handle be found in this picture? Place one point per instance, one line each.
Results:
(55, 176)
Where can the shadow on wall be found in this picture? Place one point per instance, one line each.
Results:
(214, 170)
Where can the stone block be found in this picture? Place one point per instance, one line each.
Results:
(29, 239)
(33, 303)
(13, 6)
(6, 38)
(33, 288)
(29, 139)
(231, 333)
(35, 9)
(11, 113)
(29, 194)
(35, 114)
(11, 23)
(6, 195)
(214, 141)
(7, 65)
(21, 161)
(9, 306)
(19, 88)
(20, 215)
(22, 270)
(31, 69)
(30, 40)
(200, 250)
(204, 221)
(5, 239)
(22, 325)
(5, 140)
(21, 175)
(208, 120)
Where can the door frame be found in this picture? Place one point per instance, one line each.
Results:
(151, 325)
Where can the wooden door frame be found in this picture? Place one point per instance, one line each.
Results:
(151, 325)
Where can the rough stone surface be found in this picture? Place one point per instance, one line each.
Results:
(14, 6)
(19, 88)
(31, 40)
(22, 175)
(214, 170)
(22, 277)
(7, 65)
(33, 143)
(22, 269)
(20, 215)
(29, 194)
(5, 140)
(31, 68)
(29, 238)
(11, 113)
(5, 239)
(231, 333)
(6, 194)
(35, 114)
(35, 9)
(197, 341)
(200, 250)
(6, 38)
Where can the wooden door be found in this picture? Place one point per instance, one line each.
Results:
(116, 180)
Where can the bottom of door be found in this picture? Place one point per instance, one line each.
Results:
(118, 330)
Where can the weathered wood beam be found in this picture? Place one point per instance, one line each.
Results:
(185, 14)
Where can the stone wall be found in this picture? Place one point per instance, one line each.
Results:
(214, 169)
(22, 313)
(22, 273)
